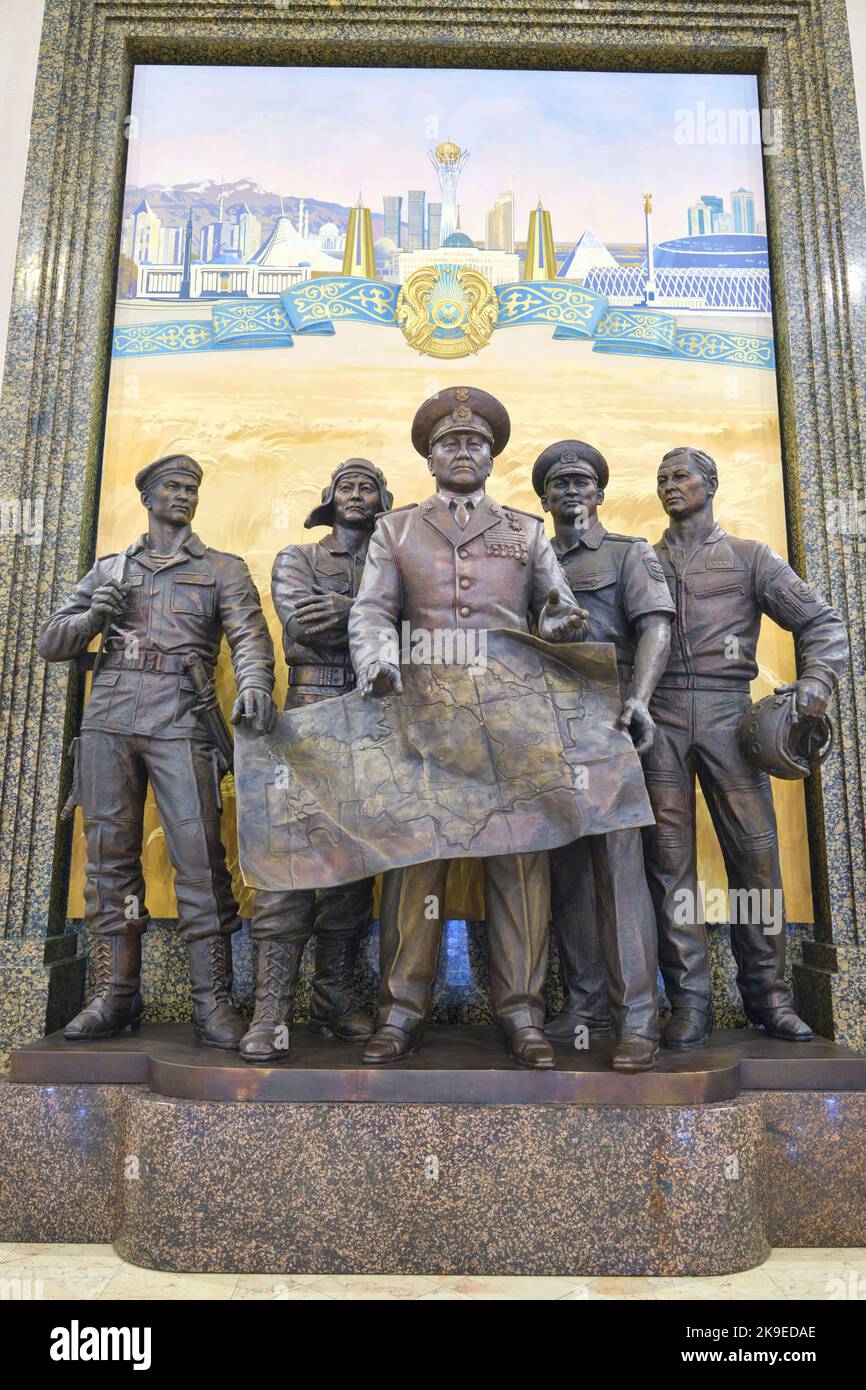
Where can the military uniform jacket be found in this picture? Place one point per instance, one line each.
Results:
(422, 569)
(301, 571)
(617, 579)
(183, 607)
(720, 592)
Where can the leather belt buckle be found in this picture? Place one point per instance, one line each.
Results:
(150, 661)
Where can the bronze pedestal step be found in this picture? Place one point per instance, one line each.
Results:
(454, 1065)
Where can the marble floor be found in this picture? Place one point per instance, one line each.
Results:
(93, 1272)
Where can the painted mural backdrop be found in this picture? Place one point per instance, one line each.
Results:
(307, 254)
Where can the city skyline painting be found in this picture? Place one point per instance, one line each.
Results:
(329, 134)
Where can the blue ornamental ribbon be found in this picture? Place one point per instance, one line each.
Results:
(312, 307)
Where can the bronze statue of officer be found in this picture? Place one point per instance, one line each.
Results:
(314, 587)
(460, 561)
(167, 599)
(722, 586)
(602, 911)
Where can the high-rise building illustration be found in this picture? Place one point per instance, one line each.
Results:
(143, 241)
(171, 245)
(434, 225)
(249, 235)
(393, 205)
(500, 223)
(415, 239)
(211, 243)
(448, 160)
(743, 210)
(699, 219)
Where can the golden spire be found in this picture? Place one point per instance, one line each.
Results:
(358, 258)
(647, 202)
(540, 260)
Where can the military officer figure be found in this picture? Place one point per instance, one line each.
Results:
(168, 597)
(599, 891)
(460, 561)
(314, 587)
(722, 586)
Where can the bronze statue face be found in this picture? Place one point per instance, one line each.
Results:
(460, 461)
(573, 499)
(172, 498)
(682, 488)
(356, 501)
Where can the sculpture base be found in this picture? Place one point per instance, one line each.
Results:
(420, 1182)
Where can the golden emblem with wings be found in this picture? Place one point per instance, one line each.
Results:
(447, 311)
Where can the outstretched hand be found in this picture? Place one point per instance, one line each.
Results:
(562, 622)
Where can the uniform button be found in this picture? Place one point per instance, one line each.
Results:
(464, 582)
(465, 611)
(464, 554)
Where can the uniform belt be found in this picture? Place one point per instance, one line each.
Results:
(165, 663)
(675, 681)
(321, 675)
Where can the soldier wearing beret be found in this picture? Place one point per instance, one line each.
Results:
(722, 586)
(314, 587)
(168, 598)
(602, 911)
(460, 561)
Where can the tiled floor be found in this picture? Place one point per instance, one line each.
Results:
(96, 1272)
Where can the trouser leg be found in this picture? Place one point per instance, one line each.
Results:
(740, 802)
(342, 919)
(284, 916)
(574, 910)
(670, 854)
(627, 930)
(113, 786)
(185, 783)
(517, 895)
(411, 919)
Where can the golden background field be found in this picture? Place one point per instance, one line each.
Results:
(268, 427)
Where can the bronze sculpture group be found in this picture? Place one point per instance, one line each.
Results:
(683, 619)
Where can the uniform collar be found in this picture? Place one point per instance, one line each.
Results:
(717, 534)
(192, 545)
(592, 538)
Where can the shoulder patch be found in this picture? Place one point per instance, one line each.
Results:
(653, 567)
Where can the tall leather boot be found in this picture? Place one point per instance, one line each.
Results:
(116, 1004)
(217, 1021)
(332, 1012)
(277, 967)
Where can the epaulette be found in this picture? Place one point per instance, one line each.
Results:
(630, 540)
(407, 507)
(103, 559)
(532, 516)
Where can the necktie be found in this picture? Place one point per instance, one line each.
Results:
(460, 512)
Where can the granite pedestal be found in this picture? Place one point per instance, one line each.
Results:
(456, 1161)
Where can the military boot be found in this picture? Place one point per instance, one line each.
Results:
(116, 1004)
(277, 967)
(332, 1012)
(217, 1021)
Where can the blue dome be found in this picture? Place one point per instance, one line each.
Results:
(718, 250)
(459, 239)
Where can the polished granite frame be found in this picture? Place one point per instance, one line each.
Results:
(58, 359)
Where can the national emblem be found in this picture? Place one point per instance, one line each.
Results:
(447, 311)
